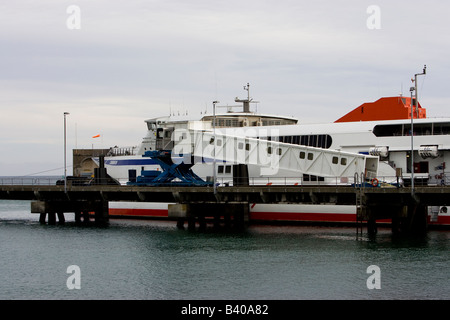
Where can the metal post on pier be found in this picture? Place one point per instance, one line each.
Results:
(416, 107)
(65, 152)
(215, 145)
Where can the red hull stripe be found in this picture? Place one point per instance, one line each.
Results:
(268, 216)
(305, 216)
(139, 212)
(442, 220)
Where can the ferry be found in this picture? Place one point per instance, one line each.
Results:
(412, 149)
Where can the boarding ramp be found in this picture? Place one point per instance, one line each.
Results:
(271, 156)
(178, 173)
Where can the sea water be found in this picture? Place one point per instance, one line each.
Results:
(153, 260)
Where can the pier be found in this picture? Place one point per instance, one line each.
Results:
(88, 193)
(231, 203)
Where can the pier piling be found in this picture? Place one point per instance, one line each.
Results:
(406, 218)
(51, 218)
(228, 215)
(82, 209)
(61, 218)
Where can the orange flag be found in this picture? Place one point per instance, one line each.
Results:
(96, 136)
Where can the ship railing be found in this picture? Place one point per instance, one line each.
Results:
(380, 181)
(311, 181)
(122, 151)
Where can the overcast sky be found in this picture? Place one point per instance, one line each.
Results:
(138, 59)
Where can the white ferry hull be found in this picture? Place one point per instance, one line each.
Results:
(266, 213)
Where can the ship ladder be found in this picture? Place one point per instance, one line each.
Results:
(360, 208)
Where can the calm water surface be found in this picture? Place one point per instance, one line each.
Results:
(132, 259)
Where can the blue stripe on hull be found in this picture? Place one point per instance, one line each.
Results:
(145, 162)
(131, 162)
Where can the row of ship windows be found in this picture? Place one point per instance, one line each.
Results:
(244, 123)
(302, 155)
(279, 151)
(316, 140)
(419, 129)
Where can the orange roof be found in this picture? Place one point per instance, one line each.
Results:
(390, 108)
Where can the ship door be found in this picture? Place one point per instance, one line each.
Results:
(421, 167)
(240, 175)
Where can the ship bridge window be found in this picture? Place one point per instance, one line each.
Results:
(227, 122)
(160, 133)
(151, 125)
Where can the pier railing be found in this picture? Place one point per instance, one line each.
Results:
(49, 181)
(383, 181)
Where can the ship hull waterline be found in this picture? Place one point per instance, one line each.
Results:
(268, 213)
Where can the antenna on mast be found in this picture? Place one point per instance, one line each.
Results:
(247, 101)
(247, 87)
